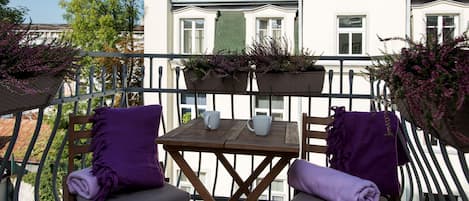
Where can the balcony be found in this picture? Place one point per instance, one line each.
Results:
(37, 138)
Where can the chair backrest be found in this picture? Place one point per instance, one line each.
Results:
(308, 122)
(74, 148)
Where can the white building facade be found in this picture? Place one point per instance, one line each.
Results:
(327, 28)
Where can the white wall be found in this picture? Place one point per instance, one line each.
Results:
(383, 17)
(419, 13)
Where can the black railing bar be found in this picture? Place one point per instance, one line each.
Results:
(77, 89)
(232, 179)
(160, 99)
(55, 167)
(196, 105)
(58, 116)
(341, 78)
(142, 83)
(350, 74)
(178, 91)
(411, 183)
(151, 73)
(323, 95)
(444, 153)
(330, 95)
(14, 137)
(405, 140)
(378, 94)
(410, 147)
(124, 102)
(183, 56)
(464, 167)
(84, 97)
(251, 107)
(103, 84)
(114, 84)
(232, 106)
(421, 167)
(402, 182)
(270, 105)
(198, 169)
(215, 176)
(22, 168)
(372, 92)
(438, 168)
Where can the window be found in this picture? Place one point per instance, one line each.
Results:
(351, 33)
(262, 106)
(188, 105)
(440, 27)
(268, 28)
(185, 183)
(277, 187)
(192, 36)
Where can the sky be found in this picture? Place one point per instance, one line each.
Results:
(41, 11)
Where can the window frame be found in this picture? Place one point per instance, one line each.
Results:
(193, 29)
(265, 110)
(350, 31)
(270, 30)
(439, 27)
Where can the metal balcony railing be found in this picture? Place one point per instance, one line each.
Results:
(436, 171)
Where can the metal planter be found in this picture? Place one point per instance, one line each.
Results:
(287, 83)
(213, 84)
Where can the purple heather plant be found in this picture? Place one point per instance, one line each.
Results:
(222, 64)
(274, 56)
(432, 78)
(22, 60)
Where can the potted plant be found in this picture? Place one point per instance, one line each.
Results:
(430, 84)
(30, 74)
(280, 72)
(222, 72)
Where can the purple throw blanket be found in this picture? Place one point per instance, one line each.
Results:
(361, 144)
(330, 184)
(83, 183)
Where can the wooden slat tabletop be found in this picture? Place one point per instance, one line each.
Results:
(233, 135)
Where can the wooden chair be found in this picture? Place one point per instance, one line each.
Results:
(309, 135)
(166, 193)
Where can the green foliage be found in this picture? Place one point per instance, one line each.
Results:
(97, 24)
(186, 117)
(9, 14)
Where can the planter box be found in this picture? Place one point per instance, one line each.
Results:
(12, 101)
(299, 84)
(457, 137)
(214, 84)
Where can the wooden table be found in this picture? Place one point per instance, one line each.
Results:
(233, 137)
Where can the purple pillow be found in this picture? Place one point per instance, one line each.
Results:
(124, 151)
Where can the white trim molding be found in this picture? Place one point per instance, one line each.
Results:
(270, 11)
(209, 17)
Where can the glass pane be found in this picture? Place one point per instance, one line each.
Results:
(432, 20)
(432, 35)
(350, 22)
(277, 186)
(448, 21)
(263, 102)
(277, 198)
(261, 35)
(199, 41)
(343, 43)
(276, 24)
(356, 43)
(277, 116)
(199, 24)
(448, 33)
(277, 35)
(187, 24)
(187, 41)
(263, 24)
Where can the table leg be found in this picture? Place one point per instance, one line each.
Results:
(187, 170)
(268, 179)
(252, 177)
(233, 173)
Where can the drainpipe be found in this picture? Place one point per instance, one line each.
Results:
(300, 48)
(407, 18)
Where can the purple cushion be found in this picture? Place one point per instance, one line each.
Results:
(124, 153)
